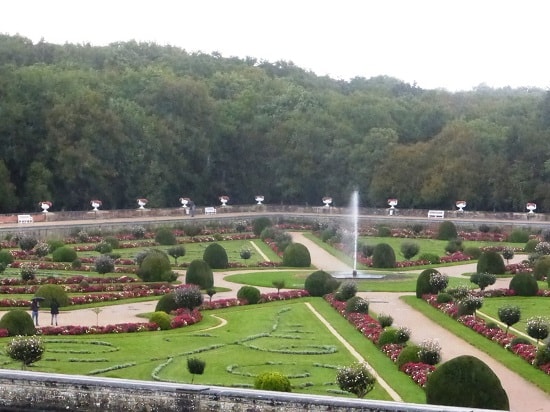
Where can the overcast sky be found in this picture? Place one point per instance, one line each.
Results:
(456, 45)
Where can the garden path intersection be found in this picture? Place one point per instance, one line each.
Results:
(523, 396)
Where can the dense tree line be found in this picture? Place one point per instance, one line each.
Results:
(136, 120)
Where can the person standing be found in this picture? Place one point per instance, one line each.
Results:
(34, 310)
(192, 207)
(54, 310)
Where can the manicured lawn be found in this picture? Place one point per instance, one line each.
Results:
(529, 307)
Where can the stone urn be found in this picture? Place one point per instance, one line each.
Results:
(259, 199)
(224, 199)
(142, 202)
(45, 205)
(184, 201)
(95, 204)
(461, 204)
(392, 202)
(327, 201)
(531, 207)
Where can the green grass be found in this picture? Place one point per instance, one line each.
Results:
(529, 307)
(505, 357)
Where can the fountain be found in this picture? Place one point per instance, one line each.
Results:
(355, 274)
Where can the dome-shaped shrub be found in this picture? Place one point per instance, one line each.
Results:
(519, 236)
(447, 231)
(104, 264)
(346, 290)
(524, 284)
(320, 283)
(531, 245)
(258, 225)
(6, 257)
(429, 257)
(166, 304)
(357, 304)
(473, 251)
(188, 297)
(162, 319)
(18, 322)
(165, 236)
(491, 262)
(113, 241)
(468, 382)
(296, 255)
(155, 267)
(542, 268)
(216, 256)
(64, 254)
(272, 381)
(199, 273)
(250, 293)
(408, 354)
(383, 256)
(389, 335)
(51, 292)
(423, 285)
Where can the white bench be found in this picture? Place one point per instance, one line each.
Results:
(24, 219)
(436, 213)
(209, 210)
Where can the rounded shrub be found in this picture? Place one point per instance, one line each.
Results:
(518, 236)
(357, 304)
(258, 225)
(454, 245)
(346, 291)
(216, 256)
(423, 285)
(272, 381)
(164, 236)
(296, 255)
(530, 246)
(103, 247)
(472, 251)
(6, 257)
(17, 322)
(524, 284)
(483, 279)
(468, 382)
(199, 273)
(53, 292)
(385, 320)
(320, 283)
(104, 264)
(429, 352)
(447, 231)
(155, 267)
(519, 340)
(389, 335)
(383, 256)
(54, 244)
(162, 319)
(64, 254)
(189, 297)
(27, 242)
(429, 257)
(541, 268)
(491, 262)
(113, 241)
(384, 231)
(408, 354)
(26, 349)
(250, 293)
(409, 249)
(166, 304)
(356, 379)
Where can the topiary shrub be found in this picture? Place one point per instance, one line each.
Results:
(383, 256)
(423, 285)
(216, 256)
(199, 273)
(357, 304)
(473, 251)
(454, 245)
(491, 262)
(483, 279)
(524, 284)
(104, 264)
(543, 355)
(54, 244)
(519, 236)
(53, 292)
(189, 297)
(272, 381)
(18, 322)
(113, 241)
(530, 246)
(538, 328)
(385, 320)
(6, 257)
(250, 293)
(162, 319)
(195, 366)
(432, 258)
(384, 231)
(409, 249)
(165, 236)
(541, 268)
(166, 304)
(176, 252)
(519, 340)
(155, 267)
(355, 379)
(64, 254)
(447, 231)
(443, 297)
(346, 291)
(296, 255)
(388, 336)
(258, 225)
(468, 382)
(408, 354)
(103, 248)
(320, 283)
(429, 352)
(26, 349)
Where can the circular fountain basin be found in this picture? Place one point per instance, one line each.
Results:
(356, 275)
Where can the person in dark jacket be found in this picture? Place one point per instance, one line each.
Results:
(54, 310)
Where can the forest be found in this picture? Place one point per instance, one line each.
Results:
(132, 120)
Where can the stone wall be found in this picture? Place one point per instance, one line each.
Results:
(33, 391)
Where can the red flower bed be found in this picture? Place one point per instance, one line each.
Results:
(419, 372)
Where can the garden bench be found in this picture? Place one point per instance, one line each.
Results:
(209, 210)
(24, 219)
(436, 213)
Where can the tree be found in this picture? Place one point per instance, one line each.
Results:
(538, 328)
(176, 252)
(483, 279)
(356, 379)
(509, 315)
(27, 349)
(195, 366)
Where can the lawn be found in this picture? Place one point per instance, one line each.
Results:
(529, 307)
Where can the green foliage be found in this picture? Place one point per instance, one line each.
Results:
(538, 327)
(355, 379)
(429, 352)
(454, 245)
(165, 236)
(519, 236)
(430, 282)
(138, 231)
(272, 381)
(189, 297)
(166, 303)
(27, 242)
(383, 256)
(113, 241)
(26, 349)
(41, 249)
(162, 319)
(541, 268)
(357, 304)
(17, 322)
(250, 293)
(54, 244)
(216, 256)
(483, 279)
(484, 228)
(530, 246)
(524, 284)
(320, 283)
(28, 271)
(6, 257)
(176, 252)
(409, 249)
(192, 230)
(51, 293)
(429, 257)
(469, 304)
(104, 264)
(388, 336)
(199, 273)
(155, 267)
(543, 355)
(296, 255)
(346, 291)
(468, 382)
(447, 231)
(443, 297)
(195, 366)
(508, 253)
(408, 354)
(384, 231)
(258, 225)
(245, 254)
(473, 251)
(64, 254)
(491, 262)
(103, 247)
(385, 320)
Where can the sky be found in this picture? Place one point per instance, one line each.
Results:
(447, 44)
